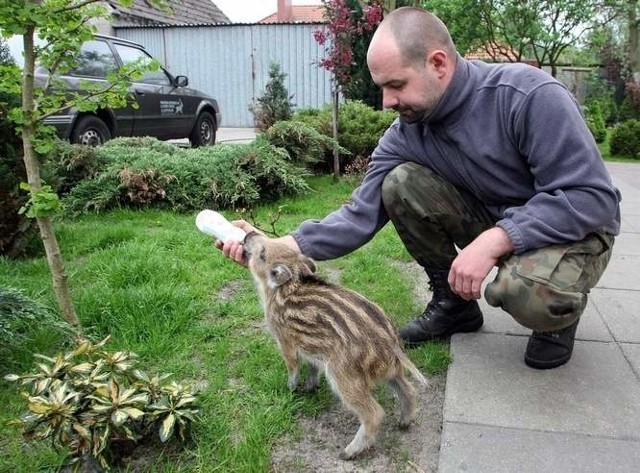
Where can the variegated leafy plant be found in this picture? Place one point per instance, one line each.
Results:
(89, 399)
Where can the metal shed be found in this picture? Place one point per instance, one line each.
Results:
(231, 62)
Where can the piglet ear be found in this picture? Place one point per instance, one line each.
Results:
(309, 263)
(278, 275)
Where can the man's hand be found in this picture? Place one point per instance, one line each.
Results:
(234, 249)
(476, 260)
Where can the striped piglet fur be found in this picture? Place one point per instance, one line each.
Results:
(336, 331)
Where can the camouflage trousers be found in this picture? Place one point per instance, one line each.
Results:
(543, 289)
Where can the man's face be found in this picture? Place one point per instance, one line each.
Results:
(412, 90)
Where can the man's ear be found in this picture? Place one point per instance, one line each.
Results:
(308, 262)
(438, 60)
(278, 275)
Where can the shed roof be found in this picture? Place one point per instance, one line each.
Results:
(142, 12)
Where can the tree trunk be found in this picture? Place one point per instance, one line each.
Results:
(634, 40)
(336, 152)
(45, 224)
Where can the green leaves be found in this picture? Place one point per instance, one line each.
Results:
(175, 408)
(85, 399)
(43, 203)
(275, 102)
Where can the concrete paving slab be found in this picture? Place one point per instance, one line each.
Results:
(622, 273)
(592, 326)
(626, 177)
(631, 352)
(630, 223)
(627, 244)
(596, 393)
(501, 416)
(484, 449)
(621, 312)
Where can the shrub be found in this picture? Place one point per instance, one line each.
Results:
(630, 106)
(18, 234)
(304, 144)
(160, 174)
(359, 127)
(96, 404)
(21, 319)
(275, 103)
(595, 121)
(68, 164)
(605, 93)
(625, 139)
(320, 119)
(142, 142)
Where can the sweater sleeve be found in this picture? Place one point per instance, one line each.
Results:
(574, 194)
(356, 222)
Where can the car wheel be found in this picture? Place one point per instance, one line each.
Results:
(90, 131)
(204, 131)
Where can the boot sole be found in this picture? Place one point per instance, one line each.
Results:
(546, 364)
(471, 326)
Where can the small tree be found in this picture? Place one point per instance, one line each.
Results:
(275, 103)
(350, 27)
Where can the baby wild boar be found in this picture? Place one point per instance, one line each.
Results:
(335, 330)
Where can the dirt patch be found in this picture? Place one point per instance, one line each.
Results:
(416, 273)
(229, 290)
(319, 440)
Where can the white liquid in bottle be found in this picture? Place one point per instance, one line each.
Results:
(214, 224)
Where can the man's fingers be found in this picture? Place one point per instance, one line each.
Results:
(246, 226)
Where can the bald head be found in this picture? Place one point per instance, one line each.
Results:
(416, 33)
(412, 59)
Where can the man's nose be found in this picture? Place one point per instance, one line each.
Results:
(389, 99)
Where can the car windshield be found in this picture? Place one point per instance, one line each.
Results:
(131, 55)
(95, 60)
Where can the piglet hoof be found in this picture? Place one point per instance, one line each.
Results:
(310, 385)
(349, 454)
(404, 425)
(292, 384)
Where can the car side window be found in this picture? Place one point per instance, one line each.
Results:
(95, 60)
(129, 55)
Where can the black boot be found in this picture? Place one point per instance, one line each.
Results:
(547, 350)
(446, 313)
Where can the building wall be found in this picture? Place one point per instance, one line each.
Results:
(231, 62)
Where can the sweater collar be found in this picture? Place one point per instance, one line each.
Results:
(457, 97)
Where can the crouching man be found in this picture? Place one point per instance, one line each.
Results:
(487, 165)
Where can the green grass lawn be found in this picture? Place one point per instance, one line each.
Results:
(160, 289)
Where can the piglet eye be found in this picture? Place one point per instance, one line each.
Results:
(262, 255)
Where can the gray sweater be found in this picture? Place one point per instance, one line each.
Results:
(511, 135)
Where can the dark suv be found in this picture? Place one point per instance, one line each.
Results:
(167, 108)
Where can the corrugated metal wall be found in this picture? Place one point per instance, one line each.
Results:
(231, 62)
